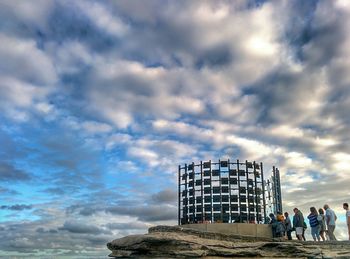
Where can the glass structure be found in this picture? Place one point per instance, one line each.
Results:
(226, 191)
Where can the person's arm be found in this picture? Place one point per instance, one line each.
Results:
(348, 218)
(328, 218)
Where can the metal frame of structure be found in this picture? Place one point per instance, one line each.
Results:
(224, 191)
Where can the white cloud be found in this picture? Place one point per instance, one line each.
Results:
(341, 162)
(94, 127)
(23, 60)
(27, 12)
(102, 17)
(297, 160)
(69, 56)
(118, 139)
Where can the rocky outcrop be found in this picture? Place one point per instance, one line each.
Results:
(177, 242)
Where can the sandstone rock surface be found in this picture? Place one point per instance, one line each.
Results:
(177, 242)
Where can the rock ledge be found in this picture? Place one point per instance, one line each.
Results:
(177, 242)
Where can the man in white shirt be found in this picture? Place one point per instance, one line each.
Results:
(347, 216)
(330, 221)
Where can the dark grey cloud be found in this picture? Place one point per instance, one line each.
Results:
(127, 226)
(217, 56)
(9, 172)
(55, 191)
(85, 210)
(326, 35)
(6, 191)
(9, 148)
(68, 22)
(16, 207)
(82, 228)
(43, 231)
(298, 31)
(27, 238)
(70, 164)
(145, 213)
(165, 196)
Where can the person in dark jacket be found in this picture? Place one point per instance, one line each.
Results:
(273, 223)
(298, 223)
(278, 228)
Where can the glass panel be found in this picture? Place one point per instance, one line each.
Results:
(216, 189)
(224, 189)
(206, 164)
(233, 172)
(216, 198)
(215, 172)
(223, 163)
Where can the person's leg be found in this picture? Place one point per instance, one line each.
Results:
(299, 233)
(330, 232)
(318, 233)
(313, 233)
(273, 231)
(303, 235)
(322, 235)
(289, 234)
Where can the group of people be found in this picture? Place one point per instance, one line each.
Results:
(322, 223)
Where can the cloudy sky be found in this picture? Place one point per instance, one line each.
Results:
(101, 100)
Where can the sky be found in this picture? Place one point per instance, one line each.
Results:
(100, 101)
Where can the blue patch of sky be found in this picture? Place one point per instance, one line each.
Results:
(40, 39)
(315, 175)
(299, 31)
(252, 4)
(71, 24)
(10, 216)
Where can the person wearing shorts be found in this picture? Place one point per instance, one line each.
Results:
(298, 223)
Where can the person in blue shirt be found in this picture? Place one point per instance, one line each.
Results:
(314, 224)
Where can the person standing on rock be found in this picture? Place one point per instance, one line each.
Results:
(298, 223)
(321, 221)
(330, 221)
(314, 224)
(273, 223)
(278, 228)
(288, 225)
(347, 216)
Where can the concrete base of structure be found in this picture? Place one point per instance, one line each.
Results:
(242, 229)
